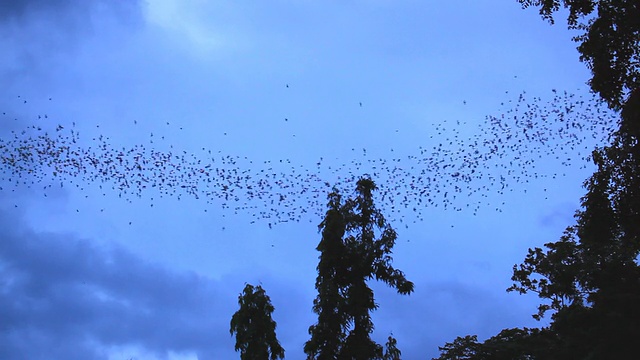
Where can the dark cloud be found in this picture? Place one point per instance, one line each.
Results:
(22, 8)
(39, 36)
(26, 10)
(65, 298)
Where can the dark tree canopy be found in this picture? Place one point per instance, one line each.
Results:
(509, 344)
(590, 278)
(368, 257)
(254, 328)
(329, 333)
(391, 351)
(462, 348)
(356, 246)
(609, 43)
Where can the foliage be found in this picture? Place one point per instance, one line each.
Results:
(609, 43)
(590, 278)
(462, 348)
(254, 328)
(509, 344)
(367, 257)
(356, 246)
(329, 333)
(391, 351)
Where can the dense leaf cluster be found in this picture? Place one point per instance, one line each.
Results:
(608, 44)
(589, 279)
(254, 328)
(509, 344)
(356, 246)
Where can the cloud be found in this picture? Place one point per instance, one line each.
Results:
(67, 298)
(205, 30)
(40, 34)
(21, 9)
(64, 297)
(25, 11)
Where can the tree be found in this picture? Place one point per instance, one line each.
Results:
(462, 348)
(351, 254)
(609, 43)
(367, 257)
(254, 328)
(590, 278)
(391, 351)
(329, 333)
(509, 344)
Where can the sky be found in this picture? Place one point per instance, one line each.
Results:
(233, 121)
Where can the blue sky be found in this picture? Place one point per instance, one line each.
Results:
(314, 92)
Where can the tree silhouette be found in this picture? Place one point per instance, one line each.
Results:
(356, 246)
(509, 344)
(367, 257)
(391, 351)
(462, 348)
(590, 278)
(254, 328)
(329, 333)
(609, 43)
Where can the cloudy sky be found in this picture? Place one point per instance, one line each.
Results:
(313, 93)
